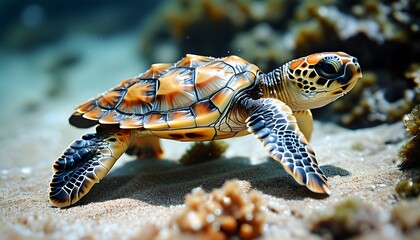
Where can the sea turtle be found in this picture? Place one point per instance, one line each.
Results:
(203, 98)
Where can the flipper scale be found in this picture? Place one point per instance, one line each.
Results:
(272, 122)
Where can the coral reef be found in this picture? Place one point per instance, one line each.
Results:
(410, 156)
(203, 152)
(354, 218)
(410, 151)
(229, 212)
(408, 188)
(406, 216)
(270, 32)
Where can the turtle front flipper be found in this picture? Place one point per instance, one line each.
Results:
(273, 123)
(85, 162)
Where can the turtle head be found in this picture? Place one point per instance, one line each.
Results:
(320, 78)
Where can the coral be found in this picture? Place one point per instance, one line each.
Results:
(204, 152)
(410, 151)
(406, 216)
(269, 33)
(408, 188)
(226, 213)
(349, 218)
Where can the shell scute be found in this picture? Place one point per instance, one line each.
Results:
(222, 98)
(139, 98)
(192, 93)
(193, 61)
(112, 117)
(126, 83)
(86, 107)
(181, 119)
(129, 122)
(156, 70)
(212, 77)
(205, 113)
(176, 90)
(95, 114)
(155, 121)
(110, 99)
(242, 81)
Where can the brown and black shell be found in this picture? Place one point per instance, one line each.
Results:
(192, 93)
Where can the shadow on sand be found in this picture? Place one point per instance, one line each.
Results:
(164, 182)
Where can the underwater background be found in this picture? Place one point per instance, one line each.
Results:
(73, 50)
(55, 54)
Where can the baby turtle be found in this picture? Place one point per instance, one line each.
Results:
(202, 99)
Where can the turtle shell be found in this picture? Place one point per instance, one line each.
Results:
(192, 93)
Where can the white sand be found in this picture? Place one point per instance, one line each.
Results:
(358, 163)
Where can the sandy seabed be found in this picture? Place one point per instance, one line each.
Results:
(358, 163)
(136, 193)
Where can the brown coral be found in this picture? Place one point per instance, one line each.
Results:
(225, 213)
(349, 218)
(204, 152)
(410, 151)
(269, 33)
(408, 188)
(406, 215)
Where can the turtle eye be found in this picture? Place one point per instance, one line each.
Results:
(329, 68)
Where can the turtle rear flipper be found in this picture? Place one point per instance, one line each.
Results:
(272, 122)
(146, 147)
(85, 162)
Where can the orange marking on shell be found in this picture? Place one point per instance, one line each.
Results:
(191, 60)
(241, 81)
(110, 99)
(174, 81)
(175, 100)
(126, 83)
(222, 98)
(156, 70)
(94, 114)
(181, 119)
(155, 121)
(296, 63)
(212, 77)
(132, 122)
(86, 107)
(176, 90)
(252, 68)
(185, 62)
(206, 113)
(236, 62)
(138, 98)
(111, 117)
(314, 58)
